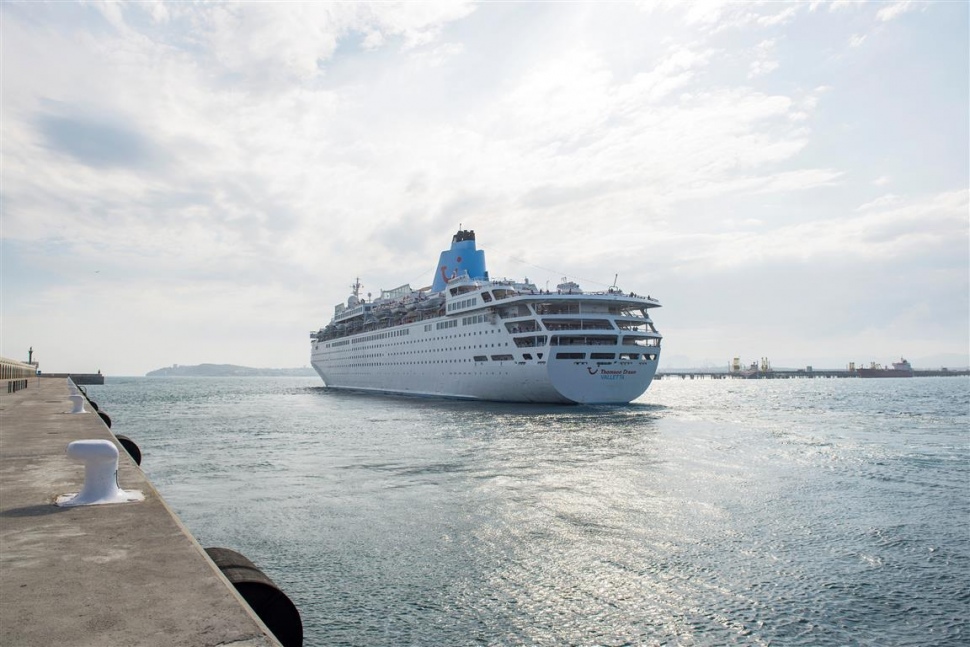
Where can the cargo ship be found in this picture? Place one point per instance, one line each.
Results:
(901, 368)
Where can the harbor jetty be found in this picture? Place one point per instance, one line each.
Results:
(785, 374)
(122, 573)
(763, 370)
(81, 379)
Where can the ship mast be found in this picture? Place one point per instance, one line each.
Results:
(356, 287)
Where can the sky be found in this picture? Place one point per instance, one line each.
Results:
(187, 183)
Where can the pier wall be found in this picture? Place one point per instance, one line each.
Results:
(94, 576)
(80, 379)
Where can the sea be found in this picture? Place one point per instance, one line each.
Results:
(708, 512)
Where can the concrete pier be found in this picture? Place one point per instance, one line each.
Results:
(126, 574)
(787, 374)
(79, 378)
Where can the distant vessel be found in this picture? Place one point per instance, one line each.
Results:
(470, 337)
(899, 369)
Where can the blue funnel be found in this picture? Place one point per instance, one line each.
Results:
(461, 258)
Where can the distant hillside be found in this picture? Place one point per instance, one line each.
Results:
(229, 370)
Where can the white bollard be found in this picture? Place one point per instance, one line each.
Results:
(78, 402)
(100, 459)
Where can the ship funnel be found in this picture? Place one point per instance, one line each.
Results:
(462, 258)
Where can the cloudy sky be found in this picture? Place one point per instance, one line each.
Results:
(188, 183)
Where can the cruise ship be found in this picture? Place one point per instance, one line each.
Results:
(470, 337)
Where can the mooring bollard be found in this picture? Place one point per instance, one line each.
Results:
(100, 459)
(78, 402)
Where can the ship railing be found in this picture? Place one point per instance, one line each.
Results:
(528, 289)
(605, 293)
(382, 324)
(575, 340)
(641, 341)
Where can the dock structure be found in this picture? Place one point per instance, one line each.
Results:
(98, 575)
(763, 370)
(786, 374)
(79, 378)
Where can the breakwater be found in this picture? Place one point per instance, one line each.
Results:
(82, 568)
(83, 379)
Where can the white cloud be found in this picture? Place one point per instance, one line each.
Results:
(159, 11)
(261, 41)
(881, 202)
(841, 5)
(895, 9)
(763, 63)
(889, 229)
(717, 16)
(783, 17)
(706, 11)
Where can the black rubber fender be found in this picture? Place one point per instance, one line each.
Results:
(104, 416)
(131, 447)
(272, 606)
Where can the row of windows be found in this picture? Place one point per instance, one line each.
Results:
(484, 358)
(521, 326)
(584, 341)
(422, 352)
(464, 303)
(505, 357)
(508, 357)
(382, 335)
(433, 339)
(520, 342)
(623, 356)
(532, 341)
(476, 358)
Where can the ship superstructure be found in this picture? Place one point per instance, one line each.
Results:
(471, 337)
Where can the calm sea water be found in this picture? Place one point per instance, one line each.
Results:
(715, 512)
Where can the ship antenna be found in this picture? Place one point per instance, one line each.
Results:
(356, 287)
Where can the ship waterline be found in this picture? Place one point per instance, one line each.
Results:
(470, 337)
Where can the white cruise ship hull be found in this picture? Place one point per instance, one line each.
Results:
(435, 365)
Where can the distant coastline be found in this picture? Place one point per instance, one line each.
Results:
(229, 370)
